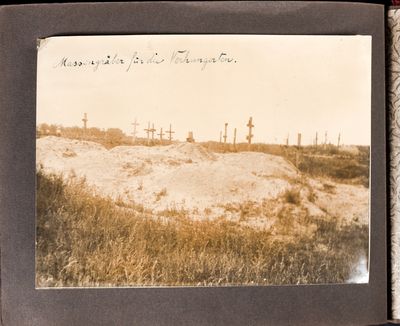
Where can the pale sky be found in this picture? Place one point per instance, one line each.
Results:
(288, 84)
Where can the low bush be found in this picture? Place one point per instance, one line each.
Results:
(292, 196)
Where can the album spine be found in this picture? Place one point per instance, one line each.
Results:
(2, 154)
(2, 188)
(393, 111)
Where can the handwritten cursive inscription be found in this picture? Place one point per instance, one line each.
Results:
(184, 57)
(66, 62)
(177, 57)
(136, 59)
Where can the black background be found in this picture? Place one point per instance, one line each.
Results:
(296, 305)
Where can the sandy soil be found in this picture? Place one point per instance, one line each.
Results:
(187, 176)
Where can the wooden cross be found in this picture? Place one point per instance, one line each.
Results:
(225, 133)
(148, 132)
(338, 141)
(85, 120)
(134, 129)
(161, 134)
(170, 132)
(152, 130)
(250, 126)
(234, 138)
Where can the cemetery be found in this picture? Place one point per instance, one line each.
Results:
(149, 209)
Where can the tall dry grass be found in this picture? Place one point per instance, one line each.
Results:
(86, 240)
(323, 161)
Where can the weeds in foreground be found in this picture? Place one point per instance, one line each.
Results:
(292, 196)
(160, 194)
(86, 240)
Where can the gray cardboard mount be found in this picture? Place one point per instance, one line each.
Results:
(21, 304)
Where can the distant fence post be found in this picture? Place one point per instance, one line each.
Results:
(234, 139)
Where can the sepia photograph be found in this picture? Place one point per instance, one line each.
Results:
(202, 160)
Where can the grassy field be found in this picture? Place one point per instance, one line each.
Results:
(326, 161)
(86, 240)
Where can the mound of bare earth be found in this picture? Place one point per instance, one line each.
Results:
(248, 186)
(248, 210)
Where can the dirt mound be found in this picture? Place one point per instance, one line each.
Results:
(190, 175)
(56, 146)
(192, 151)
(180, 152)
(187, 176)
